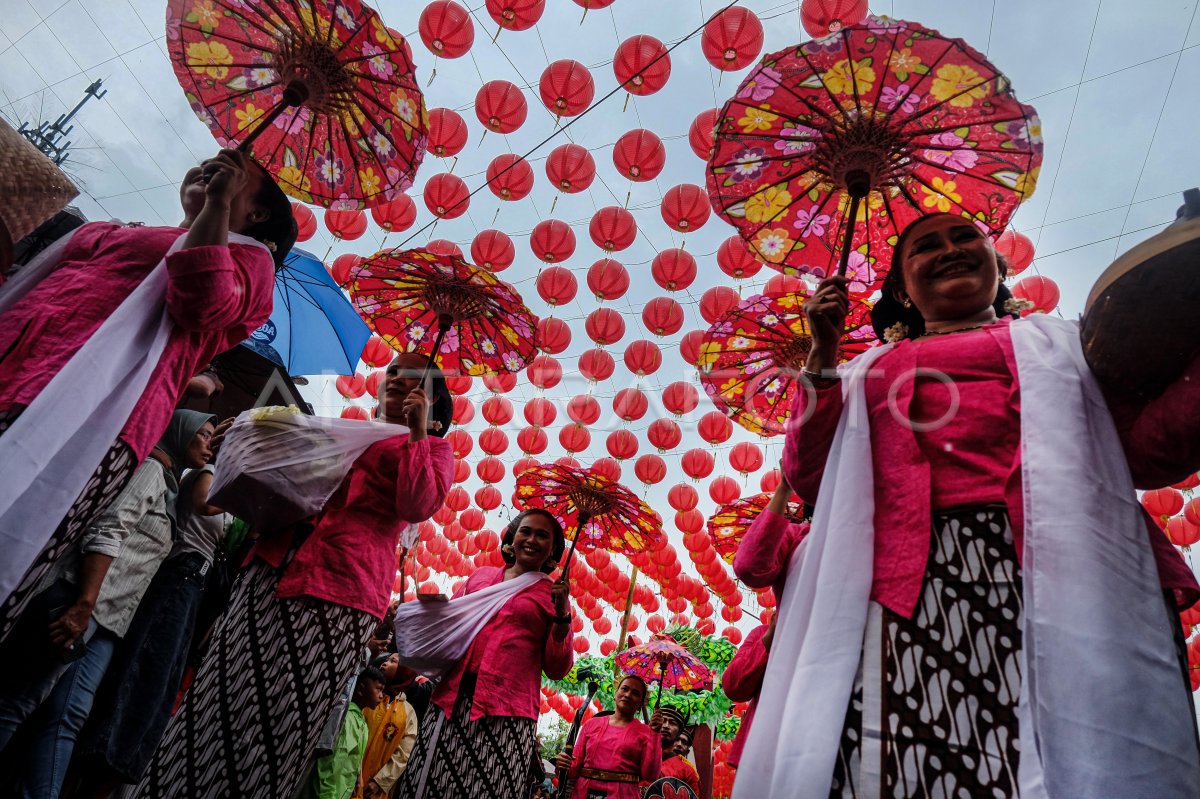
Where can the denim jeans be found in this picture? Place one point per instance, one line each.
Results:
(62, 718)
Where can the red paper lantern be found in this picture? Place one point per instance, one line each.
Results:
(306, 221)
(446, 29)
(357, 413)
(351, 386)
(574, 438)
(377, 353)
(643, 357)
(689, 347)
(716, 302)
(682, 497)
(724, 490)
(490, 470)
(497, 410)
(735, 260)
(689, 521)
(656, 624)
(500, 383)
(1192, 511)
(343, 266)
(596, 365)
(700, 134)
(395, 216)
(1162, 503)
(457, 499)
(680, 398)
(604, 326)
(630, 404)
(493, 441)
(685, 207)
(532, 440)
(650, 469)
(516, 15)
(732, 38)
(746, 457)
(770, 481)
(570, 168)
(715, 427)
(608, 279)
(552, 240)
(346, 225)
(583, 409)
(544, 372)
(1040, 290)
(664, 434)
(500, 106)
(639, 155)
(662, 316)
(607, 467)
(698, 463)
(621, 444)
(446, 196)
(1182, 532)
(459, 384)
(540, 412)
(447, 133)
(592, 4)
(510, 177)
(554, 335)
(1017, 249)
(612, 228)
(556, 285)
(642, 65)
(466, 411)
(823, 17)
(674, 269)
(732, 634)
(493, 250)
(567, 88)
(444, 247)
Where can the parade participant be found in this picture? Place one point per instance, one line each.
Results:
(742, 681)
(668, 722)
(338, 774)
(95, 591)
(391, 734)
(100, 337)
(952, 472)
(766, 550)
(304, 609)
(478, 733)
(616, 753)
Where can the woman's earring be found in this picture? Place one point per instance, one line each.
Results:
(907, 303)
(507, 549)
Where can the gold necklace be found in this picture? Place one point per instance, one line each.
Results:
(956, 330)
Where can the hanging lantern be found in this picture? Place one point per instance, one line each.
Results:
(493, 250)
(643, 357)
(642, 65)
(689, 347)
(500, 106)
(621, 444)
(444, 247)
(445, 28)
(500, 383)
(682, 497)
(612, 228)
(823, 17)
(639, 155)
(724, 490)
(650, 469)
(630, 404)
(570, 168)
(604, 326)
(497, 410)
(544, 372)
(664, 434)
(552, 240)
(735, 260)
(700, 134)
(697, 463)
(532, 440)
(346, 225)
(715, 428)
(1017, 249)
(1162, 503)
(746, 457)
(574, 438)
(770, 481)
(376, 378)
(556, 285)
(583, 409)
(459, 385)
(343, 266)
(356, 413)
(510, 177)
(716, 302)
(680, 398)
(554, 335)
(397, 215)
(306, 221)
(732, 39)
(673, 269)
(1039, 290)
(608, 279)
(540, 412)
(377, 353)
(446, 196)
(567, 88)
(596, 365)
(662, 316)
(685, 207)
(516, 15)
(351, 386)
(447, 133)
(490, 470)
(493, 441)
(607, 467)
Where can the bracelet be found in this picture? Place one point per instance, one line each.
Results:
(561, 619)
(809, 373)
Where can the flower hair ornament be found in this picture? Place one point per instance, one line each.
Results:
(1015, 306)
(895, 332)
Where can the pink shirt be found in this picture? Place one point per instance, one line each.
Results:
(632, 749)
(510, 653)
(216, 296)
(349, 558)
(974, 459)
(742, 682)
(763, 555)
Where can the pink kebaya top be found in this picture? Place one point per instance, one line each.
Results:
(742, 681)
(632, 749)
(766, 550)
(216, 296)
(510, 653)
(349, 558)
(962, 393)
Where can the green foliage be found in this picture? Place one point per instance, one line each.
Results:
(554, 740)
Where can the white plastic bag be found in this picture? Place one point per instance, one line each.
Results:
(278, 465)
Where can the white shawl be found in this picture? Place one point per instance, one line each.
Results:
(1104, 710)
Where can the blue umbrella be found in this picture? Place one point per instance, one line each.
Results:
(314, 329)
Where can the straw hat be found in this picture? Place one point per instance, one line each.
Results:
(32, 189)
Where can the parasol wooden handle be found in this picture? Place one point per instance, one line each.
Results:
(294, 94)
(858, 185)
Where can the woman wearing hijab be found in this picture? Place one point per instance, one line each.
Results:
(616, 754)
(978, 580)
(99, 337)
(100, 582)
(302, 612)
(477, 735)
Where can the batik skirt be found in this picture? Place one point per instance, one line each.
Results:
(249, 723)
(934, 707)
(456, 758)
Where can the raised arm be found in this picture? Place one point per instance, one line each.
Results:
(424, 475)
(743, 677)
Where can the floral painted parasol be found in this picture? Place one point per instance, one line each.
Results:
(664, 660)
(831, 148)
(482, 325)
(728, 526)
(324, 91)
(752, 356)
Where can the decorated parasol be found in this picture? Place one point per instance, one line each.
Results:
(727, 527)
(829, 149)
(482, 325)
(664, 660)
(598, 512)
(752, 357)
(324, 91)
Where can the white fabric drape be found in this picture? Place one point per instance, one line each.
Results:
(1104, 710)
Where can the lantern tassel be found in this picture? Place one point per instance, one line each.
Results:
(625, 107)
(553, 204)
